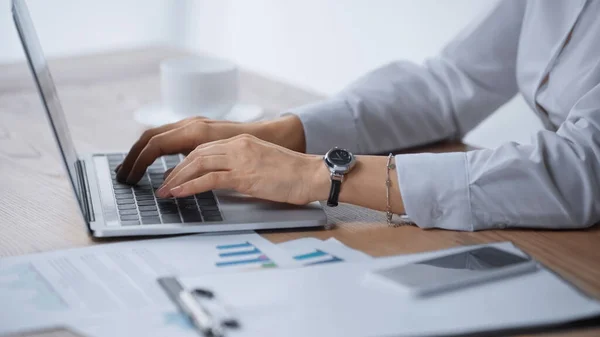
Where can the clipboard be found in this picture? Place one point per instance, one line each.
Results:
(209, 316)
(345, 300)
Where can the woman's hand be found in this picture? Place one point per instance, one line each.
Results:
(184, 136)
(250, 166)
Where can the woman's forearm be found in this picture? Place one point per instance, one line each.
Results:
(286, 131)
(363, 186)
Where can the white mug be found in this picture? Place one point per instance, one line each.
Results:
(199, 86)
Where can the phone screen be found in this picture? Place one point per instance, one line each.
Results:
(452, 268)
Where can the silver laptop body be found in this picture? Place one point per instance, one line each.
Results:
(112, 209)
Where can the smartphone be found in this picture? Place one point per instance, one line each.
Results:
(457, 270)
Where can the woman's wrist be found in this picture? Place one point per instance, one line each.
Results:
(364, 185)
(286, 131)
(317, 178)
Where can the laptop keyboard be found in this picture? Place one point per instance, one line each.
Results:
(138, 205)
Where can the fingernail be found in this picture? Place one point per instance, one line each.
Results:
(176, 190)
(161, 191)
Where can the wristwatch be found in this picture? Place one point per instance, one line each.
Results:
(339, 162)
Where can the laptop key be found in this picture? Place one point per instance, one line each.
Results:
(147, 208)
(191, 217)
(205, 195)
(144, 189)
(123, 207)
(191, 197)
(130, 223)
(209, 208)
(148, 213)
(129, 217)
(128, 212)
(144, 197)
(155, 170)
(124, 196)
(125, 201)
(207, 202)
(123, 191)
(150, 220)
(191, 207)
(167, 206)
(169, 210)
(114, 156)
(146, 203)
(183, 202)
(213, 218)
(211, 213)
(171, 218)
(146, 185)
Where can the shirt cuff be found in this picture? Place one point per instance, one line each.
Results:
(327, 124)
(435, 189)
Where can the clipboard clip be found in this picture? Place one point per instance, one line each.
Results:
(209, 316)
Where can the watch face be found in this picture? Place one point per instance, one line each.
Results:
(339, 157)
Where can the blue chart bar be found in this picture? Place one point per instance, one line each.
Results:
(243, 252)
(316, 253)
(260, 259)
(237, 245)
(333, 259)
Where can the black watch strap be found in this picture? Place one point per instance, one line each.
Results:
(334, 193)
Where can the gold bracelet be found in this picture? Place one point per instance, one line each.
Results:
(388, 183)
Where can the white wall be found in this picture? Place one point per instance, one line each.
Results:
(69, 27)
(322, 45)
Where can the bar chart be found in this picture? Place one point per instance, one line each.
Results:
(317, 257)
(243, 254)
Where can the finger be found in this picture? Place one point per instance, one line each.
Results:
(117, 168)
(140, 144)
(224, 141)
(212, 150)
(197, 168)
(170, 142)
(210, 181)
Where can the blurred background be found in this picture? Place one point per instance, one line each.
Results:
(318, 45)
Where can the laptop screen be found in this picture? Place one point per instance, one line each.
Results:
(47, 89)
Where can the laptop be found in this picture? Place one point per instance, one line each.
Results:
(110, 208)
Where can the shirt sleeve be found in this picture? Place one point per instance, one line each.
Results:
(403, 104)
(553, 183)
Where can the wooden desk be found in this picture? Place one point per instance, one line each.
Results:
(99, 94)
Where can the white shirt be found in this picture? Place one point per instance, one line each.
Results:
(517, 47)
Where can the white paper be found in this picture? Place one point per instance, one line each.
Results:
(38, 289)
(340, 300)
(311, 251)
(306, 251)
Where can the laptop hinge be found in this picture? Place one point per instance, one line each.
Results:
(84, 189)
